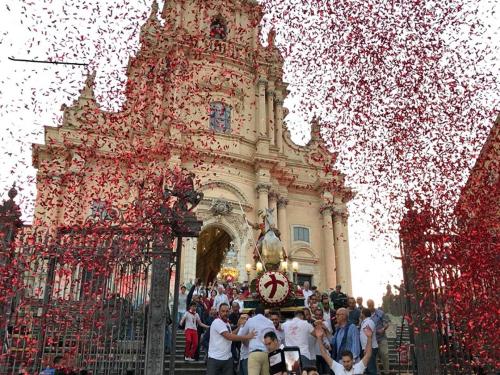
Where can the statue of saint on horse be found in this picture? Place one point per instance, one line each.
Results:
(269, 246)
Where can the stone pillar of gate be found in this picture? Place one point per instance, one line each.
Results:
(158, 308)
(174, 222)
(188, 266)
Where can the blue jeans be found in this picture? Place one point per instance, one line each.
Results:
(244, 367)
(168, 338)
(180, 314)
(371, 369)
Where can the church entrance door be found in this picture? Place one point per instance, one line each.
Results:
(212, 247)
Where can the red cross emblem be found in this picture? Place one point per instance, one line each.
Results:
(273, 287)
(274, 284)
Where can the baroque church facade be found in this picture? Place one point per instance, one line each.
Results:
(204, 94)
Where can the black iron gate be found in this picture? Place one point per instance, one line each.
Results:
(96, 295)
(431, 273)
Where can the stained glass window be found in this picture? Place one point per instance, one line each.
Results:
(220, 117)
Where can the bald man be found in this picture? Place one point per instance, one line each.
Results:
(346, 337)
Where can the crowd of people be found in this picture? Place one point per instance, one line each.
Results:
(333, 331)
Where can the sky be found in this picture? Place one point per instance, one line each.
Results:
(31, 96)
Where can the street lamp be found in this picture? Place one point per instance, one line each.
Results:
(295, 269)
(248, 268)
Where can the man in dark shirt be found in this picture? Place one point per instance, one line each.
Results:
(338, 298)
(233, 318)
(354, 313)
(234, 315)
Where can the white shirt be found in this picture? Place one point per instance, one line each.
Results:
(357, 369)
(368, 322)
(307, 294)
(315, 349)
(219, 347)
(281, 335)
(261, 325)
(297, 332)
(244, 351)
(191, 320)
(219, 299)
(182, 302)
(327, 320)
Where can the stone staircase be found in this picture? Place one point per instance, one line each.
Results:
(394, 341)
(181, 366)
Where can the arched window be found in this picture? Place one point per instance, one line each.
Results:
(220, 117)
(218, 28)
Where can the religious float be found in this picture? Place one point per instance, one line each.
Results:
(272, 286)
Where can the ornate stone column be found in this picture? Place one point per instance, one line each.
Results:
(342, 248)
(263, 195)
(270, 112)
(278, 124)
(261, 107)
(328, 253)
(273, 203)
(283, 222)
(345, 225)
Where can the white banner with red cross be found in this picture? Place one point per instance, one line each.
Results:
(273, 287)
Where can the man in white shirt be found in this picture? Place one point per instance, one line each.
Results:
(220, 298)
(276, 319)
(297, 332)
(347, 367)
(367, 321)
(258, 362)
(321, 365)
(182, 307)
(220, 358)
(239, 300)
(307, 293)
(244, 350)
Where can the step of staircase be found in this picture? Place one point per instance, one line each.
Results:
(187, 368)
